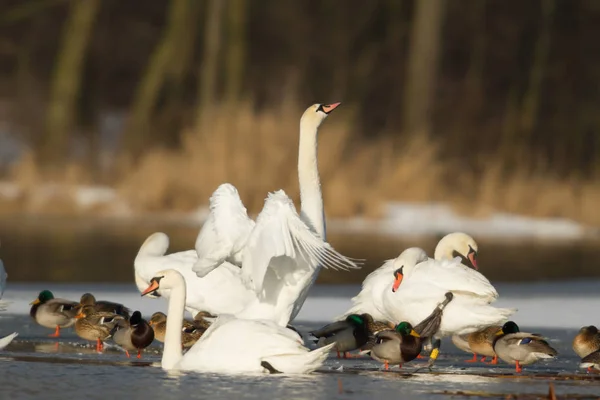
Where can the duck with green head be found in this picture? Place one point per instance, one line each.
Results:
(349, 334)
(398, 346)
(133, 335)
(53, 313)
(521, 348)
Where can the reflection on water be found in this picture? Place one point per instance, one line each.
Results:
(81, 250)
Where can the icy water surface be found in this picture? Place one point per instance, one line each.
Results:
(35, 366)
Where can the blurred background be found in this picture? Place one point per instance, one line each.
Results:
(120, 118)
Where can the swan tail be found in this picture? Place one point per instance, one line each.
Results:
(5, 341)
(301, 363)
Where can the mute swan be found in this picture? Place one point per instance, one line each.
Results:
(231, 345)
(281, 254)
(369, 299)
(417, 287)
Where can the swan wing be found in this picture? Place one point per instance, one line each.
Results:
(281, 239)
(225, 231)
(451, 275)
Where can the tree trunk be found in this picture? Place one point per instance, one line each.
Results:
(66, 81)
(531, 99)
(236, 50)
(160, 65)
(423, 58)
(210, 60)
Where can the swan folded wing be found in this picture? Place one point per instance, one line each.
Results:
(225, 231)
(281, 238)
(451, 275)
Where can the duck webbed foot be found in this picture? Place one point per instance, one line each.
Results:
(56, 332)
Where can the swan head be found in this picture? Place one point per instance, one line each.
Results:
(405, 262)
(167, 279)
(457, 244)
(316, 114)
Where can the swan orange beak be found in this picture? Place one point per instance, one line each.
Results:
(330, 107)
(152, 288)
(472, 257)
(397, 282)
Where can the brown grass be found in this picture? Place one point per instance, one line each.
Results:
(257, 152)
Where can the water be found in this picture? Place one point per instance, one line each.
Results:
(554, 285)
(34, 365)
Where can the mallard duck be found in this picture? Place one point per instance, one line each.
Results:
(53, 313)
(591, 361)
(521, 348)
(373, 328)
(190, 332)
(88, 299)
(479, 343)
(349, 334)
(201, 321)
(136, 334)
(403, 344)
(587, 341)
(95, 325)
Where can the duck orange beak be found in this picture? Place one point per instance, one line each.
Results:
(152, 288)
(397, 282)
(330, 107)
(472, 257)
(80, 315)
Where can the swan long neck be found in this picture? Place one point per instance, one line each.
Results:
(311, 198)
(443, 251)
(172, 353)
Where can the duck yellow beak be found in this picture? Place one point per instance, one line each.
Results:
(500, 332)
(36, 301)
(414, 333)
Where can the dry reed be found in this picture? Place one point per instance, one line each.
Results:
(257, 152)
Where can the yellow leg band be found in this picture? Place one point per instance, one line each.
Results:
(434, 354)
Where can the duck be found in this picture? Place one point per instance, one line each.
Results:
(259, 269)
(201, 320)
(398, 346)
(521, 348)
(95, 325)
(53, 313)
(369, 299)
(591, 361)
(418, 283)
(230, 344)
(351, 334)
(479, 343)
(586, 341)
(191, 331)
(136, 334)
(88, 299)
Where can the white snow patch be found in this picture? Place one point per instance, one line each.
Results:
(412, 219)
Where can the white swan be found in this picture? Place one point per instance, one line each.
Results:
(231, 345)
(369, 299)
(281, 253)
(418, 283)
